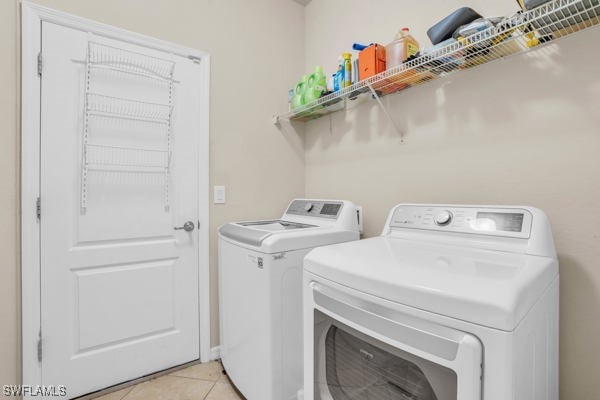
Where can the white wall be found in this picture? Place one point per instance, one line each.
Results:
(523, 130)
(256, 51)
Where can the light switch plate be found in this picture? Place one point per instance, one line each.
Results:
(219, 195)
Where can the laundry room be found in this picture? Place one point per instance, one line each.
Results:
(206, 117)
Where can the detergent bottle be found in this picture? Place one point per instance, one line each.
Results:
(298, 99)
(316, 85)
(318, 78)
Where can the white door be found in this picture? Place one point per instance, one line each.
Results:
(119, 171)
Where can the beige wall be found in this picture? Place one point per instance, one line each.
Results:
(524, 130)
(519, 131)
(256, 53)
(9, 145)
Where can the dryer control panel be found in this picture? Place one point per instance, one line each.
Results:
(315, 208)
(508, 222)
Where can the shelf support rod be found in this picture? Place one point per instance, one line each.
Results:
(385, 111)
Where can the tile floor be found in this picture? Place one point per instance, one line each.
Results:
(198, 382)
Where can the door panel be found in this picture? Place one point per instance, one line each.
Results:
(119, 284)
(148, 309)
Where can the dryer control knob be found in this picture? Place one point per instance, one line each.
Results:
(443, 218)
(308, 207)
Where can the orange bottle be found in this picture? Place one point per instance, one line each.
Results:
(402, 48)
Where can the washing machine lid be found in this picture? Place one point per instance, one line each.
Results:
(276, 236)
(275, 225)
(255, 232)
(491, 288)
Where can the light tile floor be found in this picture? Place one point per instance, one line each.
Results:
(198, 382)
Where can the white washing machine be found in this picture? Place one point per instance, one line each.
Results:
(260, 292)
(449, 303)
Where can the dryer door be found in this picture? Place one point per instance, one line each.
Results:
(364, 349)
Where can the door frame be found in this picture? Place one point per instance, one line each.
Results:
(32, 16)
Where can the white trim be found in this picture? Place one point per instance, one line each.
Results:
(203, 214)
(215, 353)
(32, 17)
(31, 33)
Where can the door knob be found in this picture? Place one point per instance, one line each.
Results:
(188, 227)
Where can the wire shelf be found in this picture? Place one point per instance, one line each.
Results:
(102, 155)
(521, 32)
(112, 58)
(109, 106)
(127, 158)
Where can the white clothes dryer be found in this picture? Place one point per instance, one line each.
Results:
(449, 303)
(260, 292)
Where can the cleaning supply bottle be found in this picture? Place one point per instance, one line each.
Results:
(401, 49)
(298, 100)
(347, 69)
(330, 83)
(339, 76)
(319, 79)
(316, 85)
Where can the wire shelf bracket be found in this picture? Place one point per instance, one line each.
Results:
(386, 112)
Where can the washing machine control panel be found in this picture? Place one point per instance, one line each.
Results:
(509, 222)
(316, 208)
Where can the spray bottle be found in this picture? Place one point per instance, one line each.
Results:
(347, 69)
(338, 81)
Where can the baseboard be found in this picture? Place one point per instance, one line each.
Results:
(215, 353)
